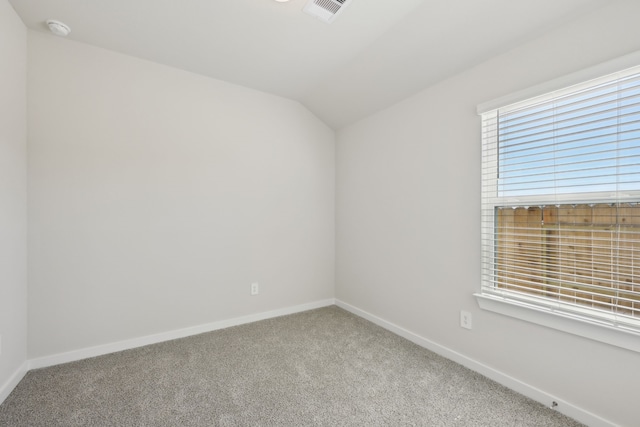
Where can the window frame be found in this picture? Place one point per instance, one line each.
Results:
(531, 310)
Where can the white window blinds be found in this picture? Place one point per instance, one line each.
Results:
(560, 201)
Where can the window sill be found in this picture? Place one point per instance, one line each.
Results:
(617, 337)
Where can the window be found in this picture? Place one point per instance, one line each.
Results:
(561, 203)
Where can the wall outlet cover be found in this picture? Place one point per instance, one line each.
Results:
(465, 319)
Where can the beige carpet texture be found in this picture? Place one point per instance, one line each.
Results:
(323, 367)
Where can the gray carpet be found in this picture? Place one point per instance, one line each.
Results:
(323, 367)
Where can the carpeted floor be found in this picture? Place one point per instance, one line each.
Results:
(324, 367)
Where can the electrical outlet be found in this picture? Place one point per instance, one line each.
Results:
(255, 289)
(465, 319)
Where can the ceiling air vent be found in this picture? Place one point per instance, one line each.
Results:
(325, 10)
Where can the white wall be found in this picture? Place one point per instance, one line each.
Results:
(408, 221)
(13, 193)
(157, 196)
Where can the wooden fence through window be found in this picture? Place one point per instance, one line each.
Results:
(583, 254)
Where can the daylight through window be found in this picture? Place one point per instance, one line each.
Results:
(561, 202)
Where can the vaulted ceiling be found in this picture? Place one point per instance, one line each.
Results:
(376, 52)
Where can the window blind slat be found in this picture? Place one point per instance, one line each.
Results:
(584, 115)
(620, 86)
(573, 130)
(609, 103)
(549, 146)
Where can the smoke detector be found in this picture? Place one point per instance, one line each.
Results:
(58, 28)
(325, 10)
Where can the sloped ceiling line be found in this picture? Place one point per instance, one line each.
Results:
(377, 53)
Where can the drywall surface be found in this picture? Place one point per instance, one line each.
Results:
(157, 196)
(13, 192)
(408, 221)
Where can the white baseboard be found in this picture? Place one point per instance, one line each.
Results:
(531, 392)
(72, 356)
(12, 382)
